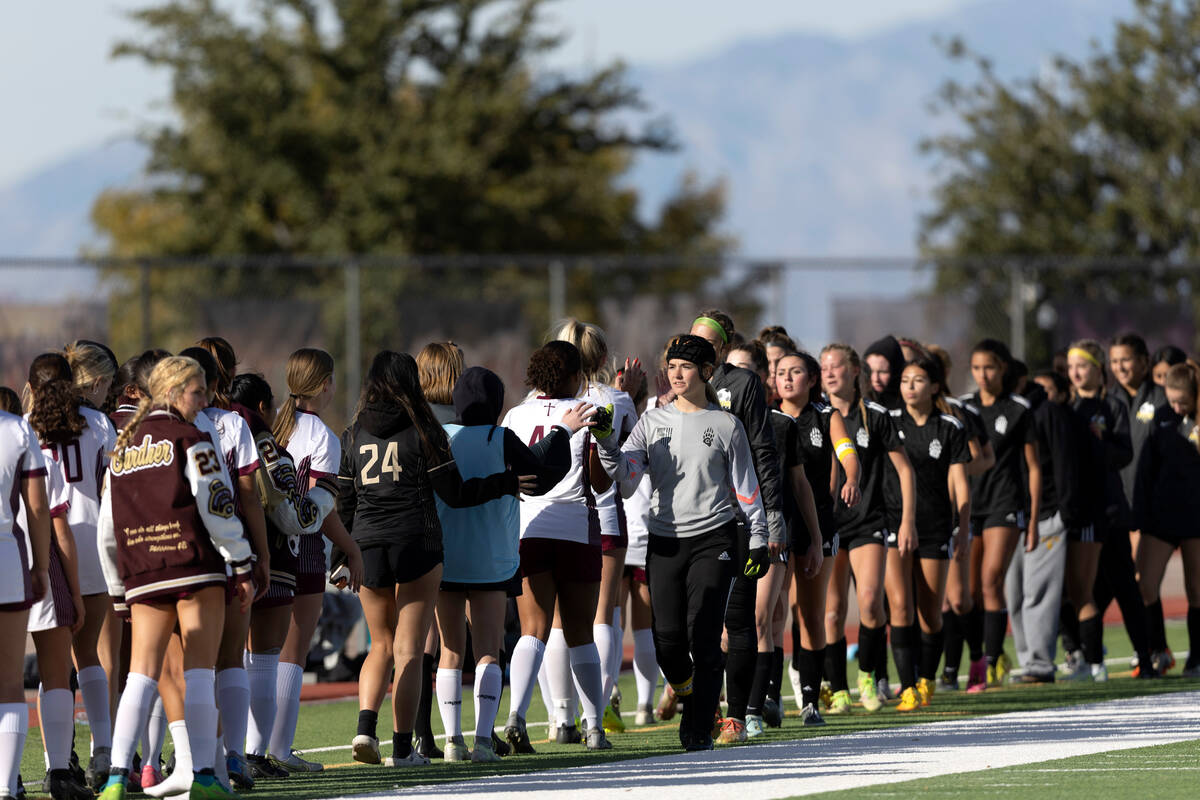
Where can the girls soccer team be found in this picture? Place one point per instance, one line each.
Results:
(187, 526)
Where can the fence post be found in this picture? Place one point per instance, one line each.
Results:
(558, 291)
(351, 281)
(1016, 311)
(144, 301)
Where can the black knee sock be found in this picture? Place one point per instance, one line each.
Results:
(401, 744)
(775, 678)
(872, 646)
(973, 633)
(953, 637)
(809, 664)
(1157, 626)
(367, 720)
(835, 665)
(425, 702)
(995, 623)
(739, 675)
(795, 636)
(904, 651)
(931, 653)
(758, 687)
(1091, 639)
(881, 666)
(1193, 623)
(1068, 626)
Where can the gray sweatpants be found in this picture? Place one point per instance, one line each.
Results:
(1033, 588)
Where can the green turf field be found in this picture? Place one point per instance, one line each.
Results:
(331, 725)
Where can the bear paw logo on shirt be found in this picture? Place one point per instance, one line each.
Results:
(935, 449)
(814, 436)
(863, 438)
(220, 499)
(1001, 425)
(725, 398)
(709, 435)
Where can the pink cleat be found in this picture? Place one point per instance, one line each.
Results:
(977, 677)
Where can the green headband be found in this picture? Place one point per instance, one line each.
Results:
(712, 323)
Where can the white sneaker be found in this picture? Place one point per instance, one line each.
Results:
(1072, 662)
(456, 749)
(294, 763)
(483, 752)
(413, 759)
(366, 749)
(1099, 673)
(644, 716)
(1080, 671)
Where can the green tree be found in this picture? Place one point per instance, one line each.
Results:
(1092, 161)
(390, 128)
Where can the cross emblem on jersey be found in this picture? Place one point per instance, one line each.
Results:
(549, 407)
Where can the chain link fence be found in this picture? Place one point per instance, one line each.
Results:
(499, 308)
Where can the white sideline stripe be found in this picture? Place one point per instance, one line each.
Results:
(881, 756)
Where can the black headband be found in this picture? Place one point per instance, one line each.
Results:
(695, 349)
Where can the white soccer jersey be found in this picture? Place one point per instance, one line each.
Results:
(205, 424)
(82, 463)
(608, 503)
(20, 458)
(236, 443)
(314, 448)
(562, 513)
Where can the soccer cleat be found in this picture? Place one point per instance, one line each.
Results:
(596, 740)
(456, 750)
(840, 703)
(483, 752)
(733, 731)
(568, 734)
(1163, 661)
(668, 704)
(1192, 670)
(366, 749)
(239, 774)
(867, 694)
(413, 759)
(884, 690)
(207, 787)
(825, 698)
(1099, 672)
(794, 679)
(500, 746)
(63, 786)
(909, 699)
(612, 720)
(810, 716)
(517, 736)
(644, 716)
(947, 681)
(772, 713)
(97, 769)
(1003, 668)
(754, 726)
(925, 690)
(113, 791)
(151, 777)
(1072, 662)
(977, 678)
(261, 767)
(427, 746)
(614, 698)
(294, 763)
(1080, 671)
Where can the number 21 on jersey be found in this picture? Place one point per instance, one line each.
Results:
(391, 462)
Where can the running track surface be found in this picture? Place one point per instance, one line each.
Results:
(826, 763)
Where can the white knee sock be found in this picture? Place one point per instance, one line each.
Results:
(522, 673)
(180, 780)
(233, 701)
(200, 713)
(603, 637)
(585, 666)
(489, 684)
(547, 695)
(449, 697)
(131, 716)
(618, 650)
(287, 708)
(14, 724)
(58, 723)
(645, 666)
(156, 733)
(93, 686)
(261, 669)
(558, 672)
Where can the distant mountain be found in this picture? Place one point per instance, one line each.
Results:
(817, 137)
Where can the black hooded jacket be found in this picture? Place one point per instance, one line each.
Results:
(741, 393)
(386, 482)
(889, 398)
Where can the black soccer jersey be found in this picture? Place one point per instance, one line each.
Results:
(1167, 489)
(1140, 408)
(931, 449)
(814, 439)
(971, 416)
(1107, 450)
(873, 438)
(787, 445)
(1009, 424)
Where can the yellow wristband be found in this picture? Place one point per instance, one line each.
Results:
(843, 448)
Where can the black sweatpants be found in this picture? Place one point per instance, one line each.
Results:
(742, 644)
(689, 583)
(1116, 579)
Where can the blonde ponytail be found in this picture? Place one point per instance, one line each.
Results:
(591, 343)
(307, 370)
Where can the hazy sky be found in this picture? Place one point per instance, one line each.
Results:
(61, 93)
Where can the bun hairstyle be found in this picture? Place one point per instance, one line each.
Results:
(9, 401)
(166, 383)
(226, 360)
(307, 371)
(591, 342)
(551, 365)
(439, 365)
(757, 352)
(54, 401)
(999, 350)
(252, 391)
(394, 380)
